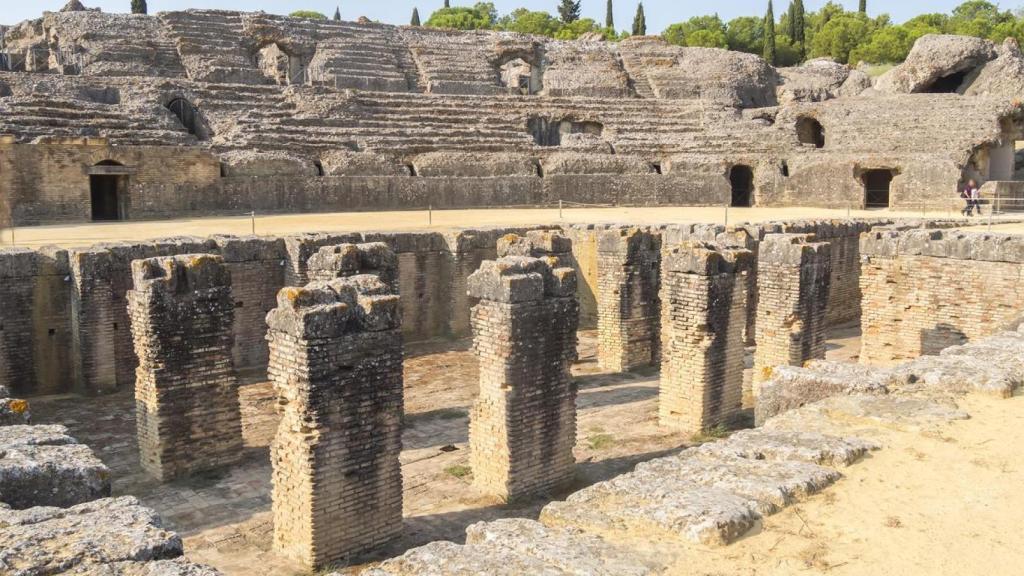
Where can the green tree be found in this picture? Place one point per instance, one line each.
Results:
(841, 35)
(746, 34)
(888, 45)
(640, 21)
(415, 17)
(799, 28)
(337, 13)
(308, 14)
(769, 34)
(580, 27)
(530, 22)
(786, 53)
(609, 16)
(977, 18)
(447, 4)
(139, 7)
(481, 16)
(863, 8)
(569, 11)
(707, 31)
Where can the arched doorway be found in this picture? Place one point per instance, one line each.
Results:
(741, 178)
(810, 132)
(877, 185)
(108, 192)
(187, 114)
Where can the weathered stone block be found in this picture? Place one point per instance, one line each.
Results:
(43, 466)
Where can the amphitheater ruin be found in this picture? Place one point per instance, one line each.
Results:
(646, 365)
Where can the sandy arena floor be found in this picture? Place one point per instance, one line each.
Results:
(440, 220)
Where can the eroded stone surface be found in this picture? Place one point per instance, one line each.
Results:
(771, 444)
(843, 413)
(83, 538)
(46, 467)
(791, 387)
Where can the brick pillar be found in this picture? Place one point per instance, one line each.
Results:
(523, 424)
(186, 392)
(336, 363)
(793, 277)
(704, 315)
(628, 304)
(93, 322)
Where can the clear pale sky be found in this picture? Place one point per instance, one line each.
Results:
(660, 13)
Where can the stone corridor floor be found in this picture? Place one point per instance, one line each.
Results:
(225, 517)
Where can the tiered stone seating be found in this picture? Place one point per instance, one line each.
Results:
(453, 62)
(362, 57)
(210, 45)
(30, 118)
(114, 45)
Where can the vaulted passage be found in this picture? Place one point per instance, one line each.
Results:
(810, 132)
(187, 115)
(742, 180)
(876, 188)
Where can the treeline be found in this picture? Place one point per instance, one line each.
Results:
(847, 37)
(790, 38)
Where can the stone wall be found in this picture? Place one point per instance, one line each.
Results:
(629, 277)
(35, 321)
(336, 365)
(925, 290)
(793, 275)
(186, 392)
(523, 423)
(704, 314)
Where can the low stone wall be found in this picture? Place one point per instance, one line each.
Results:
(925, 290)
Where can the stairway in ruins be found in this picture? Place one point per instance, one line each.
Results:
(362, 57)
(209, 43)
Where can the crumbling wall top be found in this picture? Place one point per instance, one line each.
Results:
(362, 303)
(955, 244)
(180, 274)
(517, 279)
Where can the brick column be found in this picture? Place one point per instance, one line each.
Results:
(523, 424)
(186, 392)
(628, 305)
(336, 363)
(793, 286)
(704, 315)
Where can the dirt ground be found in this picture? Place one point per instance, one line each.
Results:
(947, 502)
(72, 235)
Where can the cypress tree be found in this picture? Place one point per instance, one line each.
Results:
(791, 14)
(139, 7)
(769, 34)
(569, 11)
(609, 17)
(337, 14)
(863, 6)
(447, 4)
(640, 21)
(800, 26)
(415, 17)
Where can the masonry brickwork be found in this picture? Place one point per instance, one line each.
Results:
(186, 391)
(704, 313)
(336, 364)
(926, 290)
(793, 277)
(628, 267)
(523, 423)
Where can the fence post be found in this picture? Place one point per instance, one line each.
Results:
(430, 214)
(252, 215)
(559, 208)
(726, 215)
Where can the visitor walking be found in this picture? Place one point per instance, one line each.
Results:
(972, 196)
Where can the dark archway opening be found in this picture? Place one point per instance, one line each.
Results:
(947, 84)
(187, 114)
(108, 195)
(877, 185)
(742, 180)
(810, 132)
